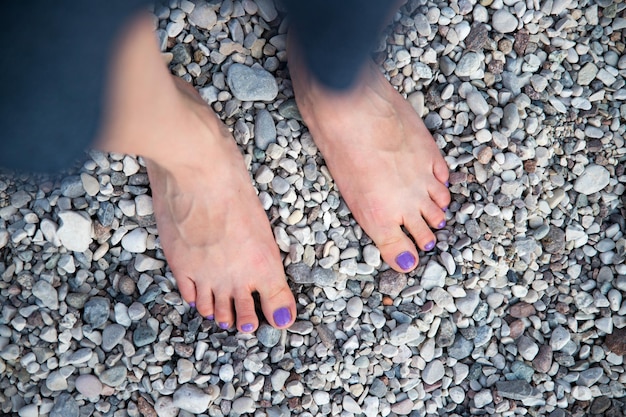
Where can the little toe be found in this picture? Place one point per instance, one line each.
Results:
(395, 247)
(224, 312)
(277, 302)
(187, 289)
(247, 321)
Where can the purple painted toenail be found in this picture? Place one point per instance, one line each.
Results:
(441, 225)
(447, 184)
(248, 327)
(429, 246)
(445, 209)
(224, 326)
(210, 317)
(192, 304)
(405, 260)
(282, 316)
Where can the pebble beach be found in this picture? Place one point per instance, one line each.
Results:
(520, 308)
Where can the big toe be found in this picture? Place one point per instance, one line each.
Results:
(277, 302)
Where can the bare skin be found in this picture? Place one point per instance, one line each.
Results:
(212, 227)
(388, 167)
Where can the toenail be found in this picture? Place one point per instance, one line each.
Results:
(405, 260)
(210, 317)
(441, 225)
(224, 326)
(248, 327)
(282, 316)
(447, 184)
(445, 209)
(430, 245)
(192, 304)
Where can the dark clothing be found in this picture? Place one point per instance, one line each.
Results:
(54, 61)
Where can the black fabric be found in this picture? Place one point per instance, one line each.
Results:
(52, 69)
(54, 58)
(337, 36)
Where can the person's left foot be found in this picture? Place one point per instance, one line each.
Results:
(388, 167)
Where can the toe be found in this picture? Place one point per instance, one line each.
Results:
(439, 194)
(441, 171)
(434, 215)
(277, 302)
(205, 302)
(187, 289)
(224, 312)
(247, 320)
(422, 234)
(395, 247)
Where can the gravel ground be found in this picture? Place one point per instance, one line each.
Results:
(518, 310)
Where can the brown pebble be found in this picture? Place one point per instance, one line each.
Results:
(543, 361)
(522, 310)
(387, 301)
(505, 46)
(457, 178)
(530, 166)
(521, 41)
(485, 155)
(517, 328)
(145, 408)
(127, 285)
(616, 341)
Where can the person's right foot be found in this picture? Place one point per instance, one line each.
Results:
(381, 155)
(213, 230)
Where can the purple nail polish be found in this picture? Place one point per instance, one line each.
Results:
(282, 316)
(405, 260)
(429, 246)
(210, 317)
(224, 326)
(192, 304)
(441, 225)
(447, 184)
(444, 209)
(248, 327)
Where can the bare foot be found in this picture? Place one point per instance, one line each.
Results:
(387, 166)
(213, 230)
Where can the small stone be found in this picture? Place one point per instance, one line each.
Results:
(403, 408)
(65, 406)
(354, 308)
(559, 338)
(543, 360)
(371, 256)
(264, 129)
(403, 334)
(477, 37)
(477, 103)
(97, 311)
(590, 376)
(268, 336)
(251, 84)
(267, 10)
(468, 65)
(144, 335)
(56, 381)
(391, 282)
(461, 348)
(483, 398)
(145, 408)
(75, 230)
(112, 335)
(191, 399)
(527, 348)
(592, 180)
(581, 393)
(88, 385)
(72, 187)
(136, 240)
(522, 310)
(350, 405)
(203, 16)
(143, 205)
(587, 74)
(616, 341)
(323, 277)
(434, 276)
(467, 305)
(515, 390)
(433, 372)
(113, 377)
(47, 294)
(145, 263)
(554, 241)
(503, 21)
(600, 405)
(243, 405)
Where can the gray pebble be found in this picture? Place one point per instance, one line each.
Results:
(251, 84)
(264, 129)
